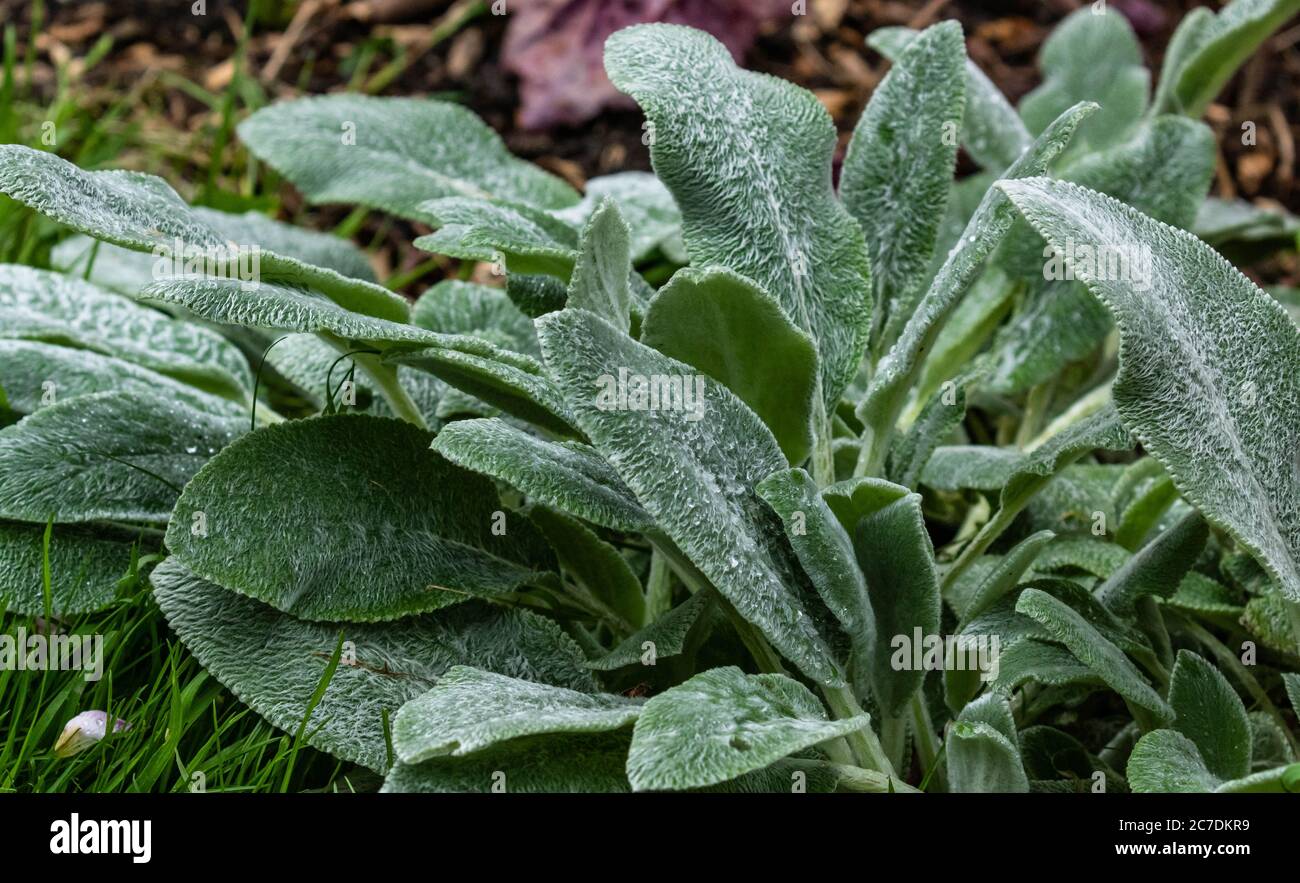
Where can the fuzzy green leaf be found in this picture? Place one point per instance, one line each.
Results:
(586, 763)
(733, 331)
(1092, 648)
(36, 374)
(568, 475)
(647, 206)
(143, 213)
(901, 367)
(896, 558)
(1226, 434)
(351, 518)
(107, 456)
(599, 281)
(601, 574)
(470, 709)
(722, 724)
(826, 554)
(66, 310)
(899, 165)
(1210, 714)
(85, 567)
(1158, 568)
(992, 131)
(274, 662)
(667, 634)
(1091, 57)
(694, 470)
(1213, 49)
(393, 153)
(748, 161)
(982, 749)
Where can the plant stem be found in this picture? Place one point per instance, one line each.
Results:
(1036, 403)
(384, 378)
(864, 744)
(659, 587)
(854, 778)
(823, 456)
(991, 530)
(927, 743)
(1227, 659)
(767, 659)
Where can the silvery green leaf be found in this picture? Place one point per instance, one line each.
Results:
(106, 456)
(393, 153)
(1269, 747)
(37, 374)
(825, 552)
(85, 566)
(1076, 500)
(128, 271)
(599, 283)
(666, 636)
(992, 132)
(855, 498)
(938, 419)
(1004, 577)
(568, 475)
(1158, 568)
(1061, 323)
(470, 709)
(536, 294)
(274, 662)
(587, 763)
(1222, 221)
(694, 470)
(748, 161)
(600, 574)
(982, 758)
(309, 246)
(977, 467)
(1164, 170)
(1168, 761)
(1090, 57)
(1088, 554)
(353, 518)
(1092, 648)
(1019, 474)
(1223, 436)
(898, 168)
(456, 307)
(1215, 49)
(513, 382)
(78, 313)
(735, 332)
(283, 308)
(1292, 682)
(1042, 663)
(995, 711)
(901, 367)
(1199, 593)
(724, 723)
(143, 213)
(897, 561)
(1210, 713)
(1191, 32)
(529, 240)
(646, 204)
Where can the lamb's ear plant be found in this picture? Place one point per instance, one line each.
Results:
(579, 531)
